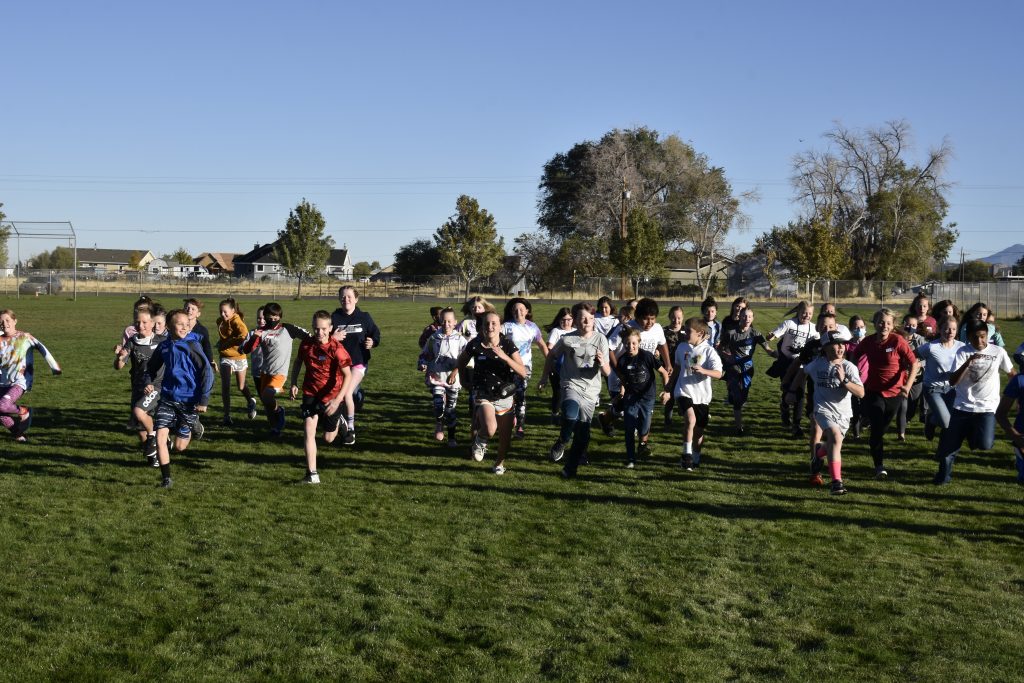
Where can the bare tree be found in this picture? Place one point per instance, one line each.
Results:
(890, 210)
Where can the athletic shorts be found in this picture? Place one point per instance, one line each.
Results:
(700, 410)
(275, 382)
(501, 405)
(311, 407)
(179, 418)
(146, 402)
(828, 422)
(235, 364)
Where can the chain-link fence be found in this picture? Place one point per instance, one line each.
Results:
(1005, 297)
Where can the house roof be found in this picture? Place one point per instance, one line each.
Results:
(118, 256)
(261, 253)
(684, 259)
(337, 257)
(220, 259)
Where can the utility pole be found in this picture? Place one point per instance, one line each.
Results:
(623, 232)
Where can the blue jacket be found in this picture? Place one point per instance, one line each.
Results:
(188, 377)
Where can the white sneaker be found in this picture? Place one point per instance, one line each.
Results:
(479, 450)
(499, 469)
(880, 473)
(311, 478)
(251, 406)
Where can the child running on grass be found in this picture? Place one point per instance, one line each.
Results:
(938, 357)
(673, 335)
(835, 380)
(16, 373)
(637, 368)
(524, 333)
(355, 329)
(709, 309)
(559, 327)
(275, 340)
(737, 352)
(328, 379)
(139, 349)
(584, 356)
(434, 326)
(697, 363)
(976, 379)
(1014, 393)
(497, 363)
(232, 332)
(184, 389)
(439, 359)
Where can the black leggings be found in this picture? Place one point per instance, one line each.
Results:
(880, 411)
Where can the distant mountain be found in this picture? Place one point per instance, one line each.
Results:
(1006, 257)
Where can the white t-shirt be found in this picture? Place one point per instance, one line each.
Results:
(694, 386)
(523, 335)
(556, 334)
(831, 398)
(794, 336)
(650, 339)
(978, 390)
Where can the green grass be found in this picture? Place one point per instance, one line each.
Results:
(413, 562)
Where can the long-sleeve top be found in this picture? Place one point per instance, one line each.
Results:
(16, 366)
(233, 332)
(358, 325)
(276, 343)
(188, 376)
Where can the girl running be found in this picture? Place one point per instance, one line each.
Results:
(16, 372)
(559, 327)
(524, 333)
(673, 335)
(497, 364)
(439, 359)
(938, 357)
(232, 332)
(355, 329)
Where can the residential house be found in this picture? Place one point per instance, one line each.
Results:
(339, 265)
(217, 262)
(261, 262)
(113, 260)
(681, 267)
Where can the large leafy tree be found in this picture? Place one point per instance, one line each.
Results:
(586, 193)
(468, 242)
(640, 254)
(970, 271)
(302, 247)
(891, 209)
(418, 259)
(812, 250)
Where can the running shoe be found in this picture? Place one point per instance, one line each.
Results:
(520, 433)
(452, 443)
(557, 451)
(439, 431)
(21, 426)
(687, 462)
(198, 430)
(644, 450)
(311, 478)
(499, 469)
(837, 487)
(149, 447)
(349, 438)
(816, 480)
(479, 450)
(630, 465)
(251, 405)
(166, 483)
(226, 422)
(606, 421)
(880, 473)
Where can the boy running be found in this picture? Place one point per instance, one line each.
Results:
(637, 368)
(275, 340)
(737, 351)
(184, 388)
(697, 363)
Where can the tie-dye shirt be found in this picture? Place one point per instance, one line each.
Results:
(16, 360)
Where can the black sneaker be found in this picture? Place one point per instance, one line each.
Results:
(149, 447)
(837, 487)
(797, 432)
(198, 430)
(557, 451)
(152, 461)
(606, 421)
(166, 483)
(687, 462)
(226, 422)
(643, 450)
(349, 437)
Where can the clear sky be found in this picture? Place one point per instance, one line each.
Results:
(199, 124)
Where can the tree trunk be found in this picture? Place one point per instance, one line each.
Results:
(298, 295)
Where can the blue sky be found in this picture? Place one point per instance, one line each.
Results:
(200, 124)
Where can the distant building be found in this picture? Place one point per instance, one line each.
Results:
(113, 260)
(339, 265)
(217, 262)
(260, 262)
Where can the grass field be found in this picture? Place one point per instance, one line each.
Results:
(411, 562)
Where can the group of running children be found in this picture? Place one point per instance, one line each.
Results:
(945, 369)
(173, 368)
